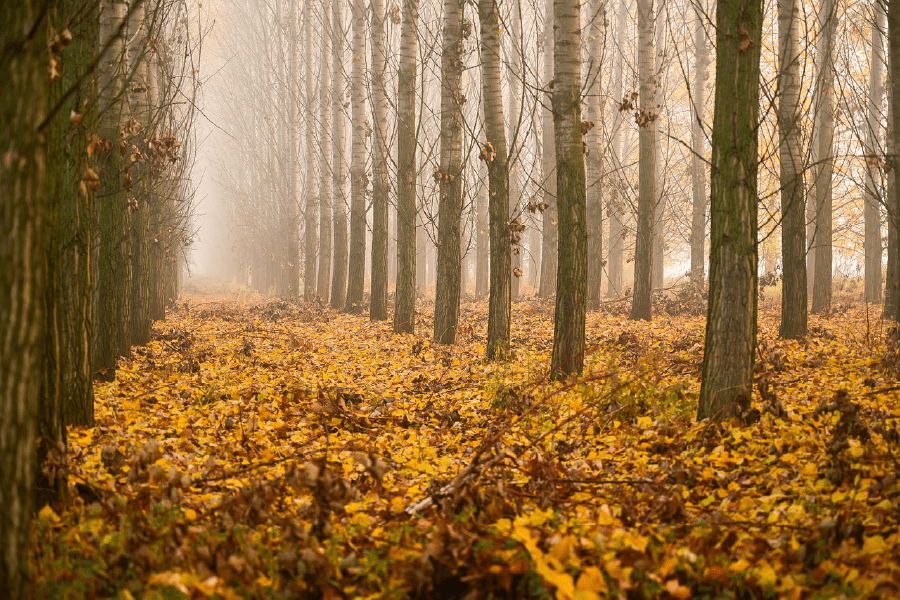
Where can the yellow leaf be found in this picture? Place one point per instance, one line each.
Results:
(874, 545)
(677, 590)
(48, 515)
(766, 575)
(591, 580)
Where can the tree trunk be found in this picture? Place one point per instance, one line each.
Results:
(323, 279)
(23, 188)
(821, 298)
(616, 203)
(593, 159)
(339, 207)
(113, 264)
(731, 316)
(657, 262)
(515, 70)
(494, 153)
(793, 205)
(359, 180)
(645, 117)
(311, 204)
(873, 172)
(893, 201)
(698, 143)
(446, 303)
(292, 212)
(482, 264)
(380, 186)
(548, 167)
(141, 192)
(405, 294)
(571, 282)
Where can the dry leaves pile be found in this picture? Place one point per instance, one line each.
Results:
(274, 450)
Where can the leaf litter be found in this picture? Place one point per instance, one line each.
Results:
(266, 449)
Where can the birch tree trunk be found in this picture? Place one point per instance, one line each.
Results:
(380, 187)
(872, 212)
(657, 263)
(339, 277)
(358, 177)
(548, 166)
(311, 204)
(893, 200)
(571, 282)
(292, 213)
(23, 188)
(323, 279)
(645, 117)
(727, 373)
(447, 285)
(482, 264)
(515, 72)
(593, 158)
(698, 165)
(405, 295)
(823, 168)
(793, 205)
(494, 154)
(616, 203)
(114, 268)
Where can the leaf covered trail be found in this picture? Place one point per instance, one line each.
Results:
(262, 449)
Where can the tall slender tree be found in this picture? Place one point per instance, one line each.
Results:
(793, 205)
(405, 304)
(339, 199)
(893, 202)
(311, 205)
(645, 117)
(323, 284)
(872, 215)
(494, 153)
(698, 142)
(731, 315)
(571, 281)
(549, 230)
(616, 196)
(449, 174)
(359, 179)
(378, 307)
(593, 138)
(23, 188)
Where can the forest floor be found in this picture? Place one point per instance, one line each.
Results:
(261, 449)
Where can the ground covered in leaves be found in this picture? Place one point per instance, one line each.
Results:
(260, 449)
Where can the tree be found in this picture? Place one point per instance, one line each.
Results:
(23, 187)
(645, 117)
(339, 206)
(823, 165)
(325, 160)
(571, 278)
(114, 264)
(893, 18)
(549, 230)
(793, 205)
(594, 141)
(359, 180)
(311, 207)
(872, 213)
(616, 202)
(380, 186)
(698, 141)
(731, 315)
(405, 304)
(449, 174)
(494, 154)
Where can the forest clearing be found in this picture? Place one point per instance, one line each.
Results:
(258, 448)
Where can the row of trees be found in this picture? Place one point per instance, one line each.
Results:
(646, 138)
(94, 179)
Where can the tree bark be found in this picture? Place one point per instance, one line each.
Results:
(657, 263)
(645, 117)
(872, 214)
(824, 166)
(616, 203)
(893, 18)
(378, 307)
(23, 188)
(323, 278)
(571, 279)
(482, 264)
(793, 205)
(515, 70)
(311, 204)
(548, 166)
(698, 143)
(339, 199)
(359, 180)
(593, 159)
(446, 303)
(731, 316)
(405, 294)
(494, 153)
